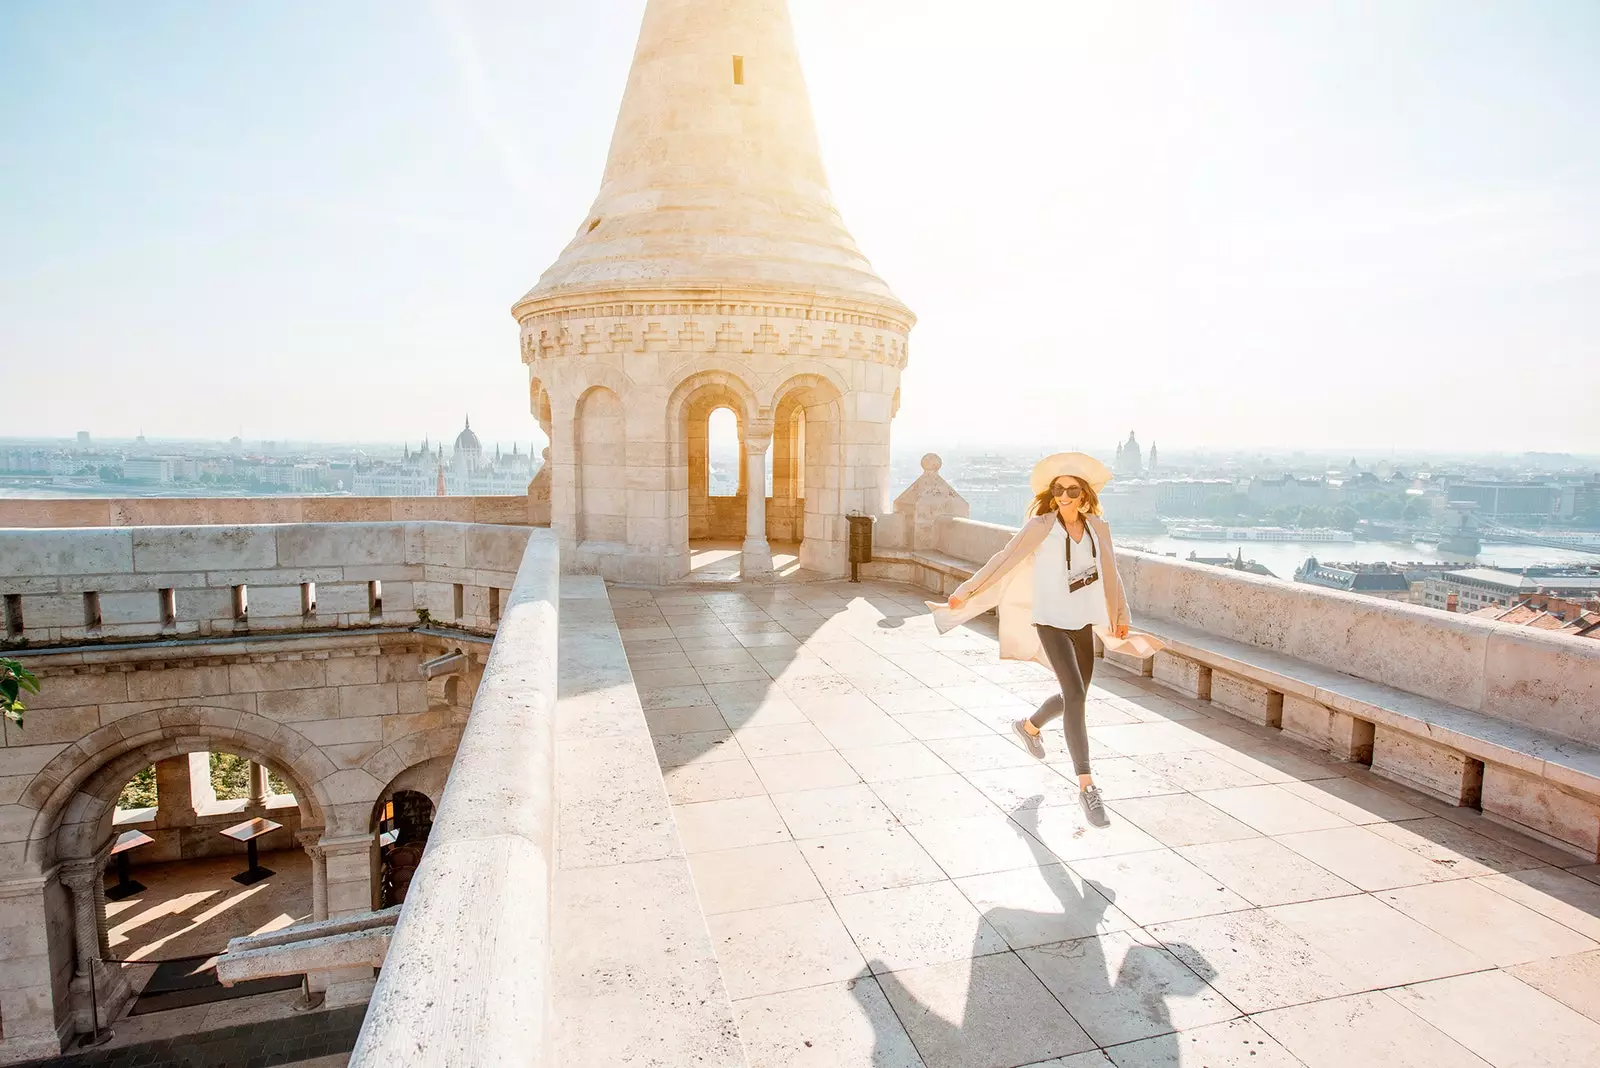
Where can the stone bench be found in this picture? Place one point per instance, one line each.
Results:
(1541, 783)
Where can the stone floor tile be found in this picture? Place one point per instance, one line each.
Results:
(663, 678)
(1265, 872)
(1107, 714)
(982, 694)
(979, 846)
(1180, 819)
(710, 649)
(982, 1012)
(1504, 1020)
(716, 781)
(869, 860)
(1494, 927)
(743, 821)
(1068, 835)
(1158, 886)
(783, 947)
(912, 926)
(853, 730)
(1152, 708)
(1464, 852)
(681, 696)
(1142, 739)
(950, 723)
(1560, 895)
(1255, 961)
(1026, 787)
(753, 877)
(1199, 769)
(1276, 763)
(1235, 1044)
(1124, 986)
(1363, 1029)
(649, 661)
(804, 771)
(923, 699)
(836, 810)
(938, 797)
(1120, 777)
(1354, 801)
(1574, 981)
(700, 747)
(1379, 945)
(711, 674)
(1272, 809)
(1093, 1059)
(1037, 906)
(1474, 820)
(1587, 872)
(694, 719)
(781, 739)
(902, 760)
(981, 753)
(1365, 859)
(847, 1023)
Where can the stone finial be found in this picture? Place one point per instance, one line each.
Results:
(926, 501)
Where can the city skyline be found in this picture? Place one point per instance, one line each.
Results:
(1256, 237)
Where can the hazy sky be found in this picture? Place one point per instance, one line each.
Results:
(1317, 224)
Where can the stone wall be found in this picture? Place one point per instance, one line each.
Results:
(113, 583)
(238, 511)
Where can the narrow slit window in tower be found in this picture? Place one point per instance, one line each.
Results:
(13, 615)
(494, 605)
(738, 70)
(375, 599)
(460, 600)
(241, 604)
(169, 607)
(308, 600)
(91, 610)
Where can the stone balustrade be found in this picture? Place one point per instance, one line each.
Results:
(466, 979)
(107, 584)
(245, 511)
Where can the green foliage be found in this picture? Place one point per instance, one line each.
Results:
(15, 680)
(140, 791)
(230, 777)
(425, 618)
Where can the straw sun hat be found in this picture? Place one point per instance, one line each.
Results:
(1078, 464)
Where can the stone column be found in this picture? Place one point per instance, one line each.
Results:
(260, 788)
(757, 554)
(310, 841)
(348, 864)
(79, 877)
(85, 881)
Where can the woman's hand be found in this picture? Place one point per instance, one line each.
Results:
(1119, 631)
(957, 602)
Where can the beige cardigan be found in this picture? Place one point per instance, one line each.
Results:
(1005, 583)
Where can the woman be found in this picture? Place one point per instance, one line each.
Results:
(1053, 583)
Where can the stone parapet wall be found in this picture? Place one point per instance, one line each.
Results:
(239, 511)
(466, 979)
(110, 584)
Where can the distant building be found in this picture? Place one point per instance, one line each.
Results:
(1543, 612)
(1287, 491)
(1509, 500)
(83, 439)
(1130, 460)
(1374, 580)
(1474, 588)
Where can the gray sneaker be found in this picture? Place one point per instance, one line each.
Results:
(1093, 807)
(1032, 742)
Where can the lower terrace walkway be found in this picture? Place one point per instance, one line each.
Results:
(889, 880)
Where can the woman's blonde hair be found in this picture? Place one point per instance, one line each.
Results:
(1044, 504)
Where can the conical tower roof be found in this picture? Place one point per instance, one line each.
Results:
(714, 180)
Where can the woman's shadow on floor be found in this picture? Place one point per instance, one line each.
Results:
(1008, 1018)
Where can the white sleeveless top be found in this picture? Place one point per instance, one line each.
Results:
(1053, 604)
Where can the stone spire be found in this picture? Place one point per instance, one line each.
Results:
(714, 176)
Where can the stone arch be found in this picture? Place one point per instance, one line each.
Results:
(599, 446)
(75, 794)
(808, 467)
(709, 370)
(798, 371)
(403, 754)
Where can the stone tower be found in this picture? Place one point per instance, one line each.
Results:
(713, 271)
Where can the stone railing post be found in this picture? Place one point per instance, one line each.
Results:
(926, 501)
(260, 788)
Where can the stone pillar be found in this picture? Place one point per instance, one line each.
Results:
(310, 841)
(85, 881)
(757, 554)
(174, 793)
(28, 909)
(349, 877)
(926, 501)
(79, 878)
(260, 788)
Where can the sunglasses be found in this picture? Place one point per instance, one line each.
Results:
(1073, 492)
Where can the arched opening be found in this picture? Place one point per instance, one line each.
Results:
(188, 903)
(806, 505)
(404, 820)
(600, 444)
(724, 470)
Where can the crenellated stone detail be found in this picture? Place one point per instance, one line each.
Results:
(547, 338)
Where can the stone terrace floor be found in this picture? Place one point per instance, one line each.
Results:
(890, 880)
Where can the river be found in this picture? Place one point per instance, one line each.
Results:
(1282, 557)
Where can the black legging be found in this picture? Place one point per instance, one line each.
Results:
(1071, 654)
